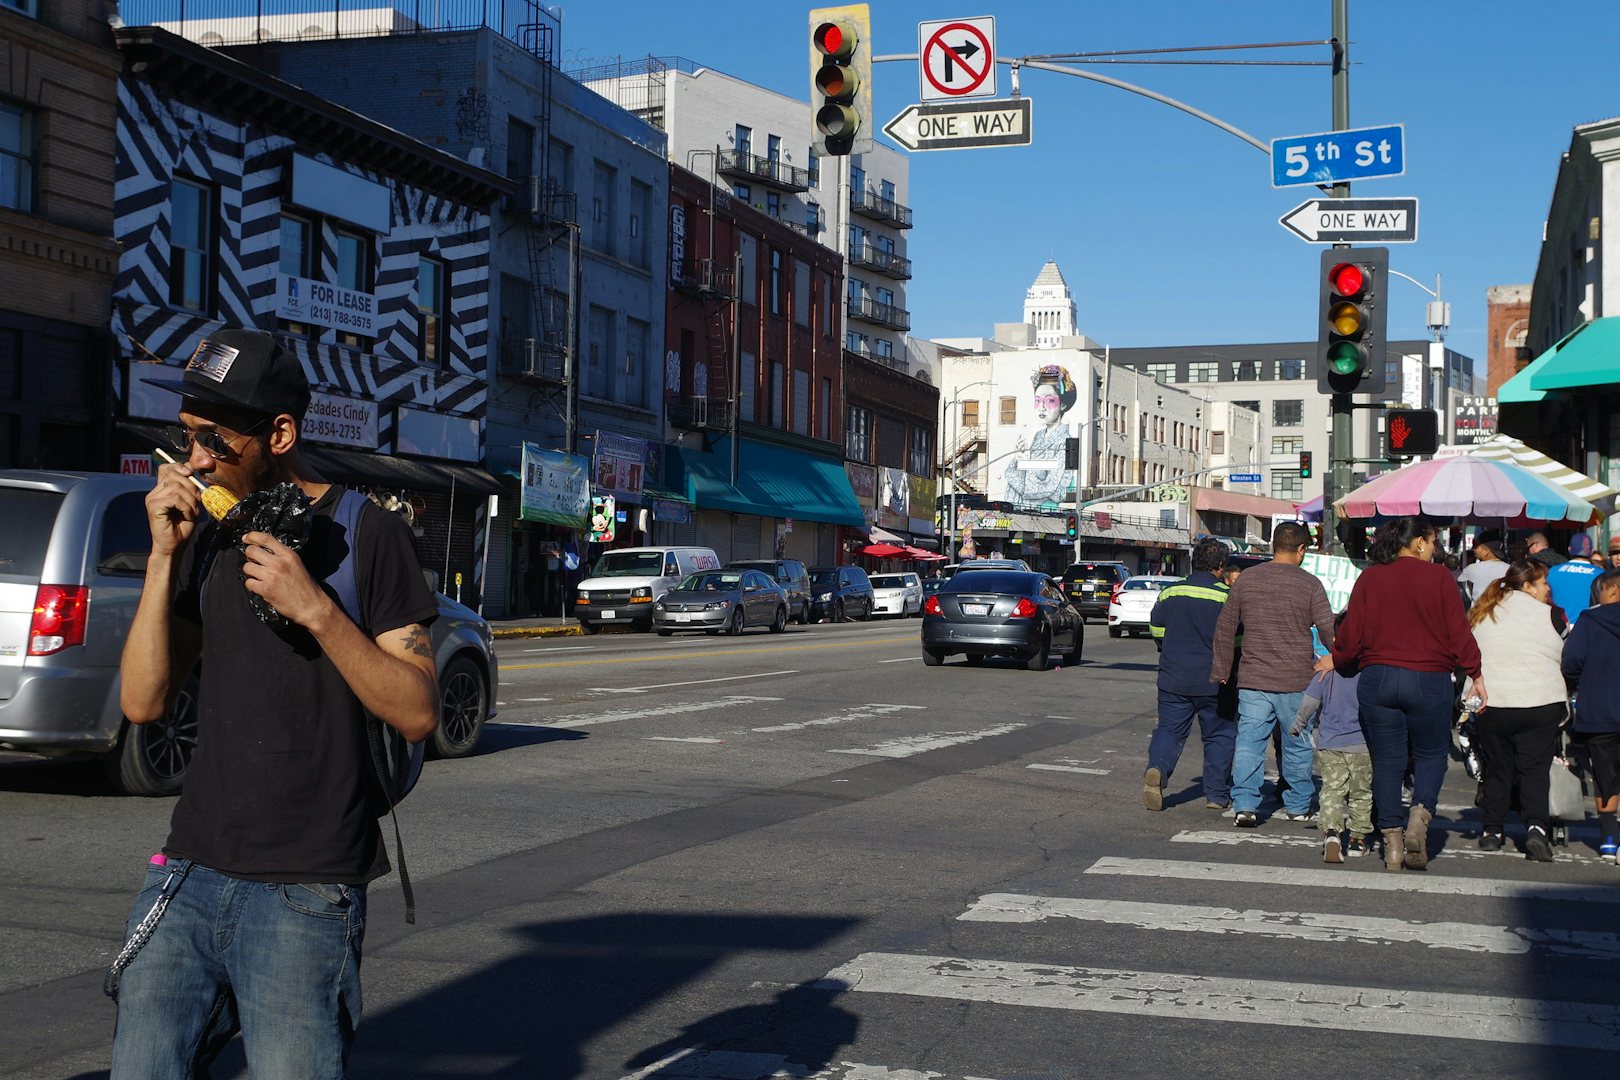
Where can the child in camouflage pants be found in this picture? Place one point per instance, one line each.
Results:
(1346, 766)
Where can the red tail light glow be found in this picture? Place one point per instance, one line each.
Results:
(1113, 597)
(60, 612)
(931, 606)
(1026, 608)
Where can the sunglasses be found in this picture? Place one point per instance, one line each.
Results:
(213, 443)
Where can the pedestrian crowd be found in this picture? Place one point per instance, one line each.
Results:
(1521, 646)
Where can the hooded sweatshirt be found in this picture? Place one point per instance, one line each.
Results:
(1339, 726)
(1592, 659)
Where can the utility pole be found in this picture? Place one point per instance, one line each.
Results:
(1342, 443)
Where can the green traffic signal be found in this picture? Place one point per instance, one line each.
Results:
(1346, 358)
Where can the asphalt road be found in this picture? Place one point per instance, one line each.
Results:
(808, 855)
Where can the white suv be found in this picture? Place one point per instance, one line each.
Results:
(897, 594)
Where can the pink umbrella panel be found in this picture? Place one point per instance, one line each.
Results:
(1469, 488)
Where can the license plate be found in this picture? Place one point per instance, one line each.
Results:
(606, 614)
(683, 617)
(975, 609)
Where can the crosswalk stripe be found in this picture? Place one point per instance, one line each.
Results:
(854, 712)
(1235, 837)
(1523, 1021)
(1070, 768)
(907, 745)
(694, 1064)
(1296, 925)
(1436, 884)
(613, 716)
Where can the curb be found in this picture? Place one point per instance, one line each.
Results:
(537, 631)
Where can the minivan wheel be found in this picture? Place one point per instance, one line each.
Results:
(463, 705)
(151, 759)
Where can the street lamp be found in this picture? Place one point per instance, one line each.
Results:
(1438, 320)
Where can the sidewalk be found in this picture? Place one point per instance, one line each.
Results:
(549, 626)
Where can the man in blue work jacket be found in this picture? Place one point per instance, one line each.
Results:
(1183, 622)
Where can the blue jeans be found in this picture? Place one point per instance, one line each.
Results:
(1259, 713)
(1403, 709)
(1176, 714)
(280, 963)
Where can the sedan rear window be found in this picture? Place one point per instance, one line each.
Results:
(1146, 583)
(29, 517)
(993, 581)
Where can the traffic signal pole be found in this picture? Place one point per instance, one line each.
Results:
(1342, 445)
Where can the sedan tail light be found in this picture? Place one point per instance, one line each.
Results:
(60, 612)
(932, 606)
(1026, 608)
(1113, 597)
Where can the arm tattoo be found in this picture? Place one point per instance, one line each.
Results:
(416, 640)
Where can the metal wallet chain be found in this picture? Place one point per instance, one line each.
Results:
(144, 929)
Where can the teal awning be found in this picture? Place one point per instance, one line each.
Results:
(773, 481)
(1587, 356)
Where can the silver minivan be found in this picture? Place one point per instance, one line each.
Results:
(73, 550)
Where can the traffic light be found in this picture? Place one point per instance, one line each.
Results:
(1411, 431)
(1071, 453)
(841, 79)
(1351, 315)
(1304, 464)
(1073, 527)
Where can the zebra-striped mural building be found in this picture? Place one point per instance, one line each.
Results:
(170, 126)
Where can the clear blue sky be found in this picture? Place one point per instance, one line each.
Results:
(1166, 227)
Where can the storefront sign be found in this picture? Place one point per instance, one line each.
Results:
(135, 464)
(307, 301)
(345, 421)
(863, 478)
(923, 499)
(676, 513)
(677, 241)
(554, 487)
(621, 462)
(1475, 420)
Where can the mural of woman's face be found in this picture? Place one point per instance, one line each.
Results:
(1048, 404)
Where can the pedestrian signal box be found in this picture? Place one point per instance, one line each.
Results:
(1408, 432)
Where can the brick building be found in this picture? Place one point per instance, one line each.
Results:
(890, 424)
(1507, 325)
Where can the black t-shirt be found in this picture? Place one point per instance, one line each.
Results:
(282, 786)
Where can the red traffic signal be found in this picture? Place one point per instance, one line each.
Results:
(840, 79)
(1408, 432)
(1351, 319)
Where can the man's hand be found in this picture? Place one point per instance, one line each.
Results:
(173, 508)
(1324, 664)
(275, 572)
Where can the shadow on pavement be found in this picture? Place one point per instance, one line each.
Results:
(497, 737)
(80, 774)
(803, 1026)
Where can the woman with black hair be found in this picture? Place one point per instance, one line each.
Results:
(1406, 632)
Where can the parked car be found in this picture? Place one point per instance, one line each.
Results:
(1090, 586)
(792, 575)
(840, 592)
(1132, 603)
(897, 594)
(625, 582)
(714, 600)
(73, 550)
(984, 613)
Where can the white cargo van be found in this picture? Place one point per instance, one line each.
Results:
(625, 582)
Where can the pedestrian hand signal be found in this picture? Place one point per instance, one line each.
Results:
(1411, 431)
(841, 79)
(1351, 319)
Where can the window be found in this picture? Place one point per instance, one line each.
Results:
(519, 149)
(743, 140)
(801, 402)
(1164, 373)
(856, 343)
(854, 286)
(603, 233)
(776, 282)
(1284, 446)
(885, 296)
(886, 190)
(812, 218)
(640, 202)
(1204, 371)
(1252, 406)
(890, 449)
(191, 245)
(296, 258)
(1167, 517)
(801, 292)
(970, 414)
(773, 148)
(883, 348)
(857, 178)
(1009, 410)
(22, 7)
(857, 239)
(19, 153)
(599, 352)
(637, 336)
(921, 461)
(1287, 413)
(1290, 369)
(1286, 484)
(1217, 442)
(829, 324)
(814, 162)
(1246, 370)
(858, 433)
(775, 390)
(748, 287)
(773, 204)
(560, 166)
(430, 311)
(750, 379)
(353, 251)
(515, 315)
(824, 417)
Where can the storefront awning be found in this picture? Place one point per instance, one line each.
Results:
(1587, 356)
(773, 481)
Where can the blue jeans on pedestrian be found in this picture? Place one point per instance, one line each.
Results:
(1260, 712)
(1176, 715)
(1403, 709)
(280, 963)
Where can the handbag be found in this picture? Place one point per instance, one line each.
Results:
(1565, 800)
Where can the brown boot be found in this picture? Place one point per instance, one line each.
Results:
(1417, 837)
(1394, 849)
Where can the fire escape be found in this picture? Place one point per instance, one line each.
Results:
(709, 408)
(964, 453)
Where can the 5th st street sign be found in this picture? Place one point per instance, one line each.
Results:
(963, 125)
(1364, 221)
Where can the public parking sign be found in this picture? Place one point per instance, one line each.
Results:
(1333, 157)
(956, 58)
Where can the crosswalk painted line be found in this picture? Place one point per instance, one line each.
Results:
(1297, 925)
(907, 745)
(1234, 838)
(695, 1064)
(1070, 768)
(1430, 883)
(855, 712)
(613, 716)
(1168, 995)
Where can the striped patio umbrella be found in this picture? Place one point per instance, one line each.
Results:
(1507, 448)
(1469, 489)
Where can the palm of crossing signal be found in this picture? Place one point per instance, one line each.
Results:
(1399, 432)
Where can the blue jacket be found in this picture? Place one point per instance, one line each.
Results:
(1571, 584)
(1339, 725)
(1183, 621)
(1592, 660)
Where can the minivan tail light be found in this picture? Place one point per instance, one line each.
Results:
(1025, 609)
(60, 612)
(931, 606)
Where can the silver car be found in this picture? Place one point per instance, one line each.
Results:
(716, 600)
(73, 549)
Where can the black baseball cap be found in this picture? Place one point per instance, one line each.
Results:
(245, 369)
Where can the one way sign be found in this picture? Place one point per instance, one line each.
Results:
(1360, 221)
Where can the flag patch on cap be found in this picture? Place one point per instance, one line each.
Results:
(212, 360)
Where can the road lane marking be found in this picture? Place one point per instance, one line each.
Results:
(1332, 1009)
(693, 682)
(1231, 838)
(558, 648)
(854, 712)
(900, 660)
(907, 745)
(650, 657)
(1070, 768)
(677, 738)
(1338, 879)
(697, 1064)
(613, 716)
(1297, 925)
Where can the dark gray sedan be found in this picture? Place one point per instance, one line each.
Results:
(716, 600)
(982, 613)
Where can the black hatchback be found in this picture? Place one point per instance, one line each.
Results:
(1001, 613)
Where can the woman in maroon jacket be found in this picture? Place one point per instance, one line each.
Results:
(1406, 632)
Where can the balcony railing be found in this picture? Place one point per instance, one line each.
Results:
(812, 229)
(704, 277)
(886, 263)
(243, 22)
(869, 310)
(699, 414)
(768, 171)
(870, 204)
(529, 359)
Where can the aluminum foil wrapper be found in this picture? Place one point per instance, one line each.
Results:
(282, 511)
